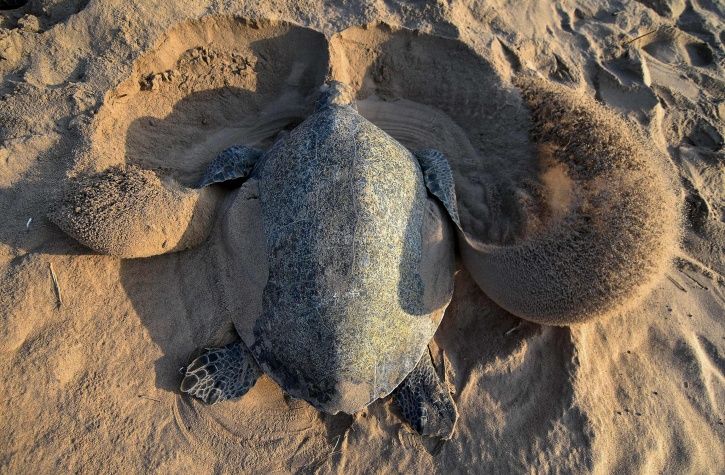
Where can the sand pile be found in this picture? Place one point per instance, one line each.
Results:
(615, 218)
(131, 213)
(91, 378)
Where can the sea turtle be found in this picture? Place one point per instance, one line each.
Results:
(361, 264)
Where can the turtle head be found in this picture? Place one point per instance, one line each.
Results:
(335, 93)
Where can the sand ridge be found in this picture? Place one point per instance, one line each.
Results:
(130, 213)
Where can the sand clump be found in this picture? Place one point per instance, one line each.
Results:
(615, 241)
(130, 212)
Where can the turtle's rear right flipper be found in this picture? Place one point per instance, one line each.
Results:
(425, 402)
(221, 374)
(236, 162)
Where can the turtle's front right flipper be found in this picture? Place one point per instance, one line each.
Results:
(236, 162)
(438, 178)
(221, 374)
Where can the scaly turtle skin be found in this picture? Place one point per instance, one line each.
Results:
(351, 301)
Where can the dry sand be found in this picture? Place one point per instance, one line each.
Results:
(90, 345)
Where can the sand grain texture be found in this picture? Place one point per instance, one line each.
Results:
(91, 384)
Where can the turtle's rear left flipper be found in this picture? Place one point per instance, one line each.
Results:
(425, 402)
(221, 374)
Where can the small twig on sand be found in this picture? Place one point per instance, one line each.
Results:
(55, 285)
(512, 329)
(694, 280)
(640, 36)
(149, 398)
(676, 283)
(334, 449)
(27, 225)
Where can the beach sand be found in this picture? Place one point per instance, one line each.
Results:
(91, 345)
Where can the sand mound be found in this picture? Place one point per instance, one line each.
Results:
(615, 241)
(129, 212)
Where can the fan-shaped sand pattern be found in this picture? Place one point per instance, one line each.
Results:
(616, 239)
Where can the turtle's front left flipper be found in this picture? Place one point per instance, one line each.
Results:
(438, 178)
(425, 402)
(236, 162)
(221, 374)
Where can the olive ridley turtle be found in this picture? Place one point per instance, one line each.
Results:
(348, 310)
